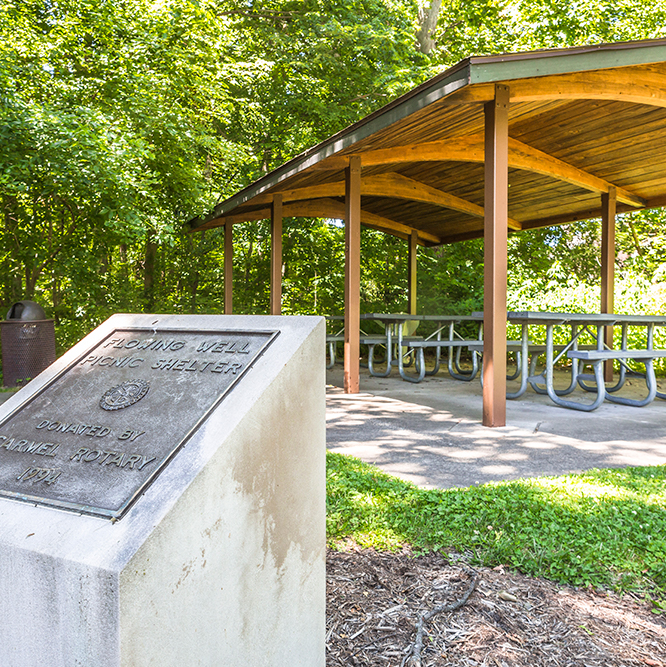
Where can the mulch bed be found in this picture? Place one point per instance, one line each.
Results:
(374, 599)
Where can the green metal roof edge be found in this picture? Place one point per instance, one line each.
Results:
(565, 61)
(473, 70)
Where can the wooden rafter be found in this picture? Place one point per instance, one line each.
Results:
(390, 185)
(331, 208)
(637, 85)
(400, 187)
(462, 149)
(521, 156)
(458, 149)
(335, 189)
(326, 208)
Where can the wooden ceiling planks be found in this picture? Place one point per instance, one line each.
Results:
(573, 134)
(602, 140)
(438, 121)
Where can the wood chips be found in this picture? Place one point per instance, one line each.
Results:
(374, 598)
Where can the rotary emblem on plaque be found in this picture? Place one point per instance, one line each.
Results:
(125, 394)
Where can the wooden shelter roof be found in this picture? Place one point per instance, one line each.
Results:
(581, 122)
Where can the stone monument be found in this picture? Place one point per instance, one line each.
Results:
(162, 498)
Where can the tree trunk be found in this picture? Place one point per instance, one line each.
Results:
(55, 296)
(428, 16)
(149, 272)
(13, 287)
(30, 282)
(194, 287)
(195, 254)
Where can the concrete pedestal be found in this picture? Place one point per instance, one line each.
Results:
(220, 563)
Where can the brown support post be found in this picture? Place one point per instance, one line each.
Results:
(228, 268)
(411, 277)
(608, 206)
(496, 209)
(276, 256)
(352, 274)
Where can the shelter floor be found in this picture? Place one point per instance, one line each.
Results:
(431, 433)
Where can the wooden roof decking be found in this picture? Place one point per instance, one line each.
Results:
(581, 121)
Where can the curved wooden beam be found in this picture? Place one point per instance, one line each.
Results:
(394, 185)
(331, 208)
(460, 149)
(637, 85)
(400, 187)
(324, 208)
(470, 149)
(333, 189)
(390, 185)
(524, 156)
(521, 156)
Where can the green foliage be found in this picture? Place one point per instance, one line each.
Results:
(602, 527)
(499, 26)
(119, 121)
(552, 24)
(106, 142)
(451, 278)
(303, 70)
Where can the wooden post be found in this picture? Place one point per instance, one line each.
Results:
(352, 274)
(608, 206)
(228, 268)
(496, 215)
(411, 276)
(276, 255)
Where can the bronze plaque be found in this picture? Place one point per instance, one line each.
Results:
(99, 433)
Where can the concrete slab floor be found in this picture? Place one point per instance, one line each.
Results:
(431, 433)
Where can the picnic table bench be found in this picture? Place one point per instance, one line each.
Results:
(598, 357)
(394, 336)
(580, 322)
(527, 353)
(331, 342)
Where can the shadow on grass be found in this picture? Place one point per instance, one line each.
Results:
(603, 527)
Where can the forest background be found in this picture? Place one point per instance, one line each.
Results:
(122, 120)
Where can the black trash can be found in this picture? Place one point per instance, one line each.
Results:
(28, 343)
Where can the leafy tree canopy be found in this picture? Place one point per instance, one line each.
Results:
(121, 120)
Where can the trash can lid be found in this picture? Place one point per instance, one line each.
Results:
(26, 310)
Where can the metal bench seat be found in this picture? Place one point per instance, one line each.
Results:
(374, 340)
(607, 355)
(437, 343)
(331, 342)
(526, 369)
(598, 357)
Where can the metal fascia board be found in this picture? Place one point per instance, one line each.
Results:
(457, 79)
(520, 66)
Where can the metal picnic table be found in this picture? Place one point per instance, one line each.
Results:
(580, 323)
(527, 353)
(394, 337)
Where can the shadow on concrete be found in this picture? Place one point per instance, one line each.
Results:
(431, 433)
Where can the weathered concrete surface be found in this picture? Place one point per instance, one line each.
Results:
(431, 433)
(220, 562)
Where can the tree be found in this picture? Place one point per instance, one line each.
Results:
(121, 121)
(109, 134)
(302, 70)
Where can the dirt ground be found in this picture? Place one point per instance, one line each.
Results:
(374, 600)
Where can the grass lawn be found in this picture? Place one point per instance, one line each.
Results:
(605, 528)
